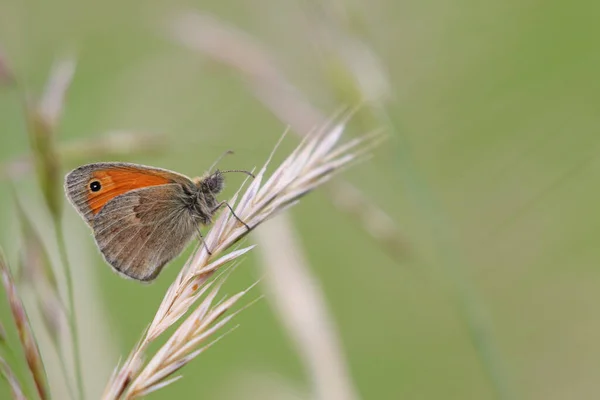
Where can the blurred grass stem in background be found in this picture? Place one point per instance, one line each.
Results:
(36, 270)
(11, 378)
(108, 145)
(296, 296)
(365, 78)
(470, 306)
(62, 248)
(44, 118)
(28, 341)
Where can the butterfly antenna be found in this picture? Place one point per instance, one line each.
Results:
(243, 171)
(219, 159)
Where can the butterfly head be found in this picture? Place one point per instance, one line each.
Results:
(213, 183)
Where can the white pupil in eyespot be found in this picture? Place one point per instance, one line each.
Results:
(95, 186)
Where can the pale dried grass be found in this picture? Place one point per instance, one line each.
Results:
(310, 165)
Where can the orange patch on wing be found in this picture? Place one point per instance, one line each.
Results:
(116, 182)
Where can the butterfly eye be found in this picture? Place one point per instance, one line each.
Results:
(95, 186)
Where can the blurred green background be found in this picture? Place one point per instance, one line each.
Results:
(490, 175)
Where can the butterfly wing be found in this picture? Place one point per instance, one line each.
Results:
(90, 187)
(138, 232)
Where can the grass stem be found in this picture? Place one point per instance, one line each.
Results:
(71, 315)
(469, 304)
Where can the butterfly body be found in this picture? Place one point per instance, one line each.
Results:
(142, 217)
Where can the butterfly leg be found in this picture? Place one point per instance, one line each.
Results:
(225, 203)
(201, 238)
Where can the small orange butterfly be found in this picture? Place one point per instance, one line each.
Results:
(143, 217)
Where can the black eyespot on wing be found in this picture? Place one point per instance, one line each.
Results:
(95, 186)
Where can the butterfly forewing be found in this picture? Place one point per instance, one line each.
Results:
(90, 187)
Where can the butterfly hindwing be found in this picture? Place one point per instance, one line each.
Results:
(138, 232)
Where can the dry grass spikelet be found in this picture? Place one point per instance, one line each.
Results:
(311, 164)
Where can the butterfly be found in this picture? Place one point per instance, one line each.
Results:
(142, 217)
